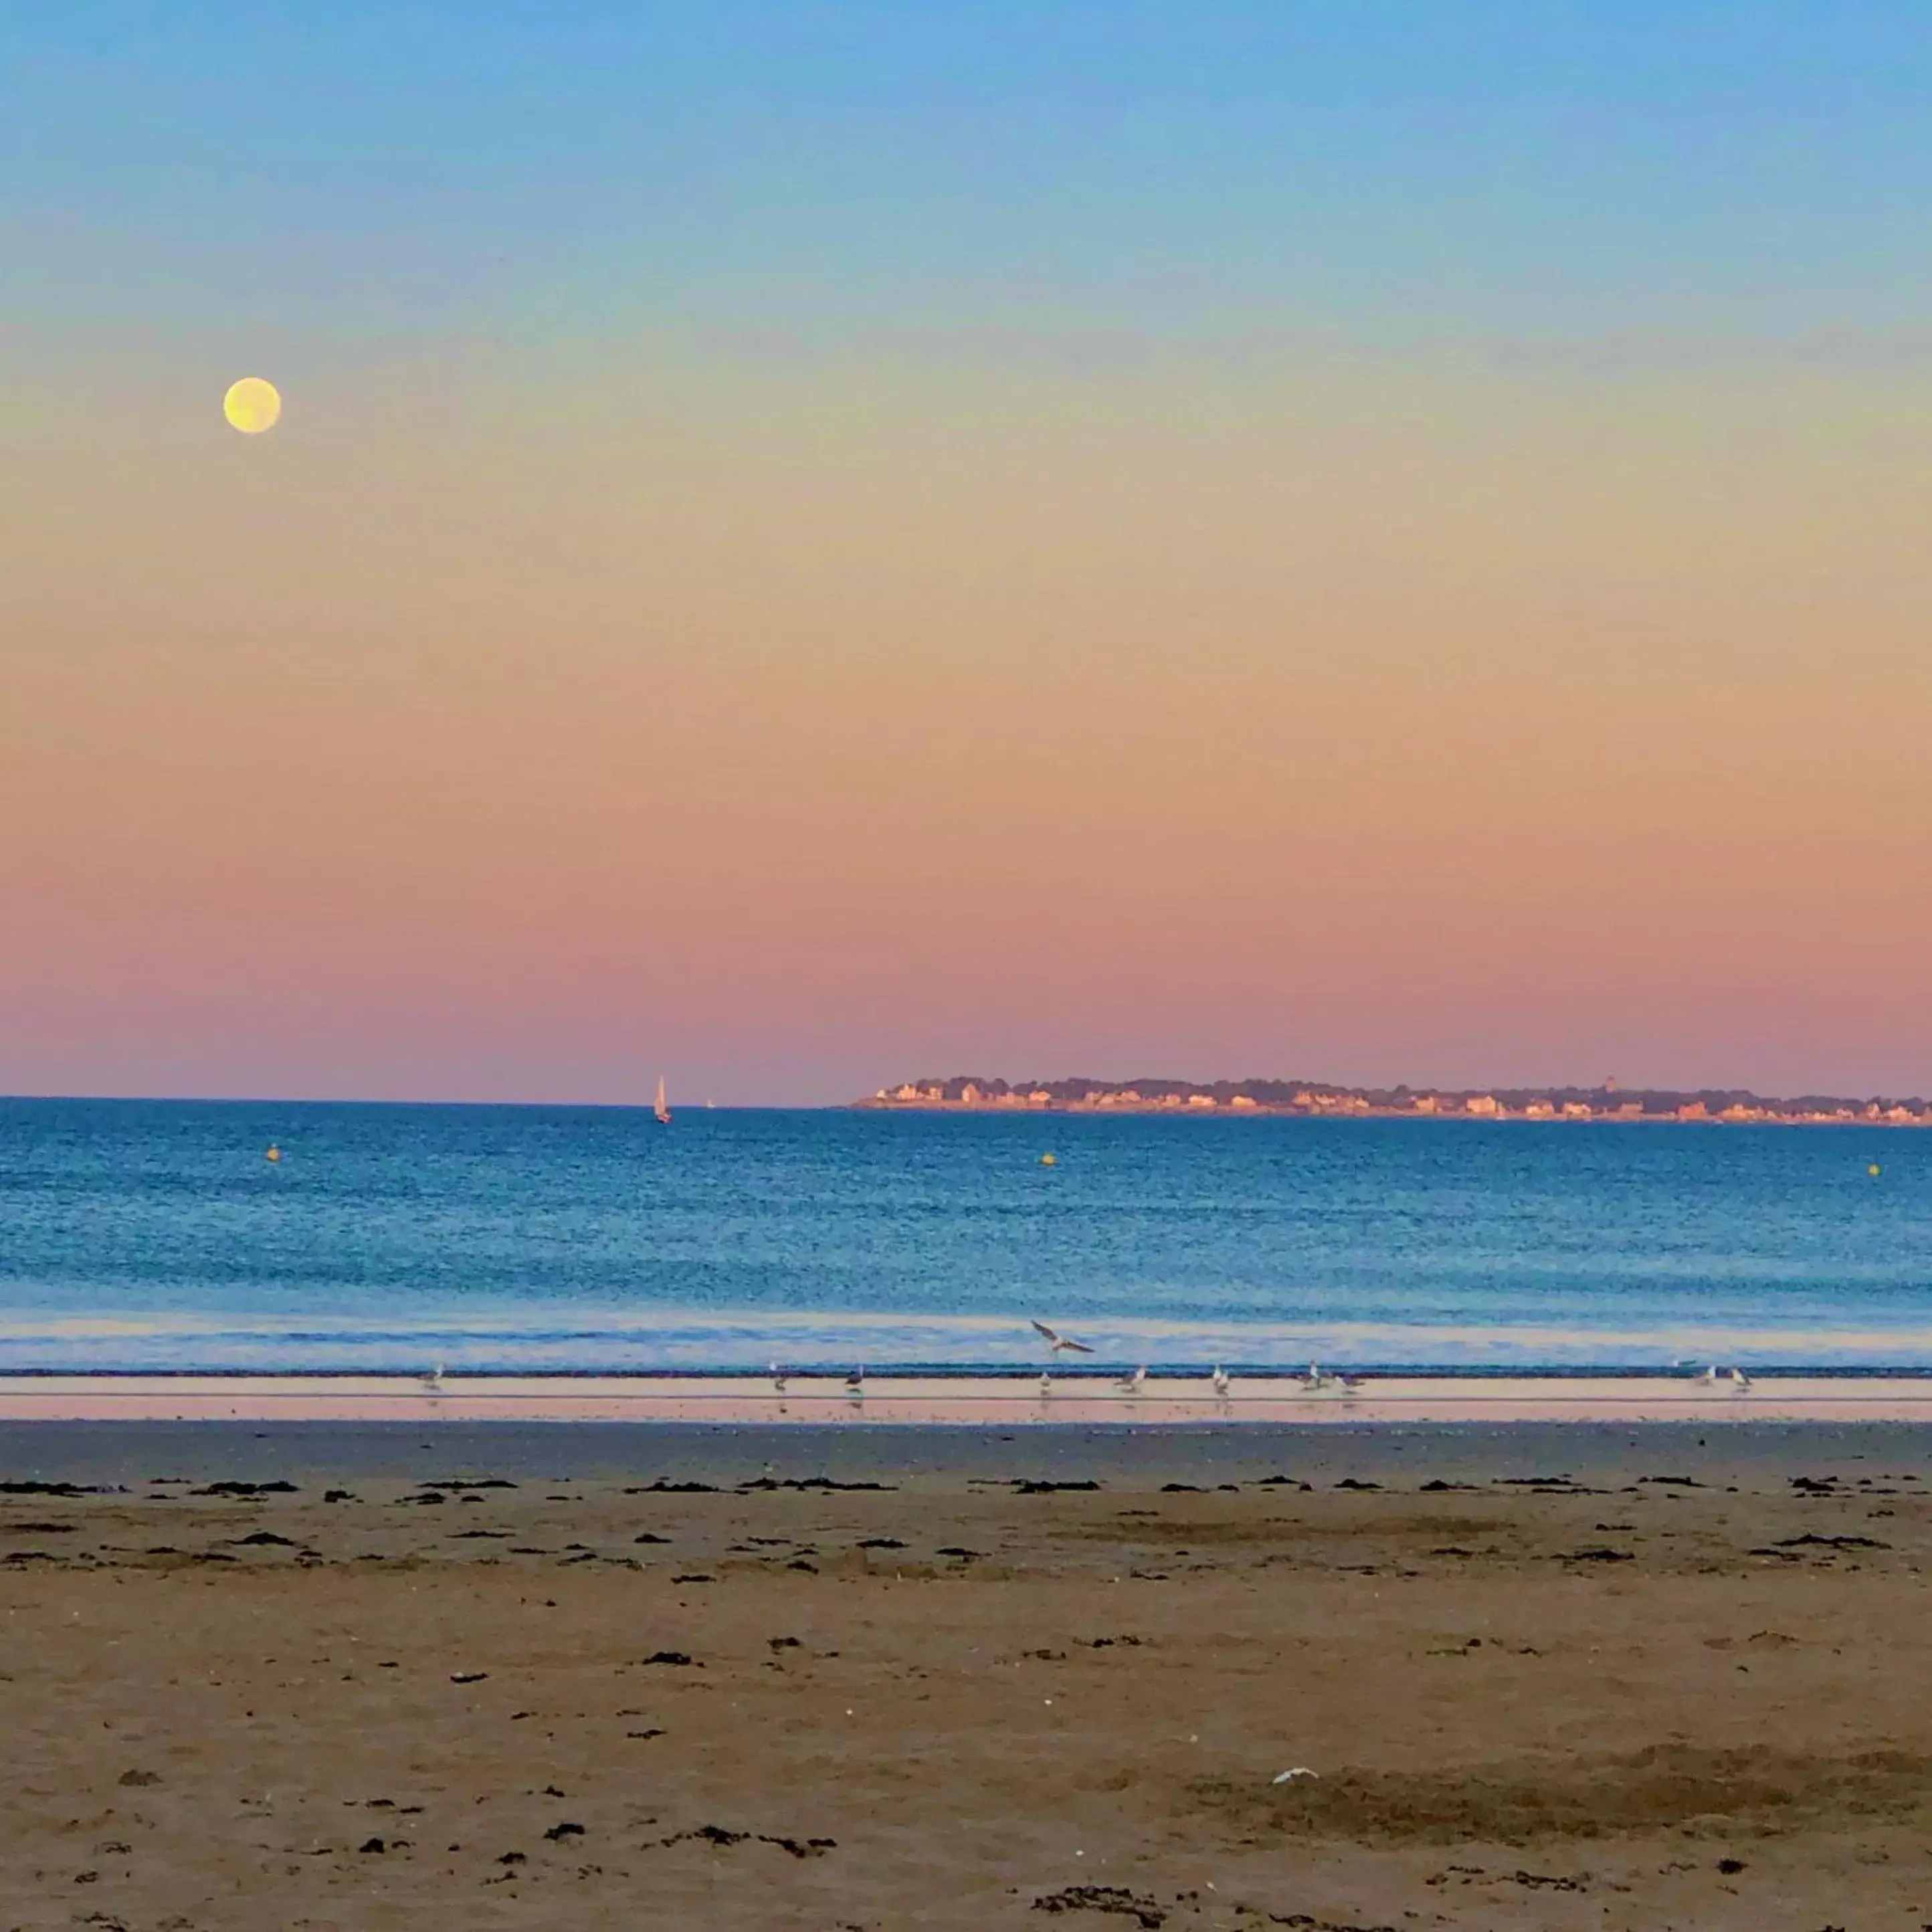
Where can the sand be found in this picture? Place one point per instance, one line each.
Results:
(534, 1677)
(1004, 1401)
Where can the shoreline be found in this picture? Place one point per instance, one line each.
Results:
(1262, 1111)
(984, 1401)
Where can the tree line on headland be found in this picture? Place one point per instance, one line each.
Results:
(1608, 1101)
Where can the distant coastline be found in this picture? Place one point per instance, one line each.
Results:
(1719, 1107)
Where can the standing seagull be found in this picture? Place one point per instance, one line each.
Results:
(1060, 1344)
(1135, 1382)
(1314, 1378)
(1740, 1382)
(432, 1383)
(1046, 1384)
(1710, 1375)
(778, 1379)
(855, 1383)
(1220, 1381)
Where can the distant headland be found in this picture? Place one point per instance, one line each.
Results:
(1725, 1106)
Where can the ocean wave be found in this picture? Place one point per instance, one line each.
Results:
(573, 1340)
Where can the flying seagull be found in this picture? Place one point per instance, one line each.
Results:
(1060, 1344)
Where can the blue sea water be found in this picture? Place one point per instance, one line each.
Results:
(152, 1235)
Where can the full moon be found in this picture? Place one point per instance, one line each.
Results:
(253, 405)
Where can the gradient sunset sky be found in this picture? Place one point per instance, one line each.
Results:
(811, 544)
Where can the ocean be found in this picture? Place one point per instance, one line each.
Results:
(150, 1236)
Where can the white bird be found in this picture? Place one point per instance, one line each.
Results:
(433, 1381)
(1347, 1384)
(1045, 1383)
(1710, 1374)
(856, 1381)
(1740, 1382)
(1314, 1378)
(1134, 1383)
(1220, 1380)
(1060, 1344)
(1294, 1771)
(777, 1378)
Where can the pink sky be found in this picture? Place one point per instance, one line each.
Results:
(517, 726)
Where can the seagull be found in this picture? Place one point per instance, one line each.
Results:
(1314, 1378)
(1220, 1381)
(1347, 1384)
(1294, 1771)
(856, 1381)
(1060, 1344)
(777, 1378)
(1710, 1374)
(433, 1381)
(1134, 1383)
(1045, 1383)
(1740, 1382)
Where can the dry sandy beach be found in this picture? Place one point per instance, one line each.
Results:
(491, 1676)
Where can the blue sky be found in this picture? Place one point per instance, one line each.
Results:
(1394, 170)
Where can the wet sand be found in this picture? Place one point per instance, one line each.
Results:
(1005, 1401)
(529, 1675)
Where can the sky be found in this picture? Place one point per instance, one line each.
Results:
(813, 543)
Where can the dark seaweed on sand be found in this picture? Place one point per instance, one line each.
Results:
(808, 1483)
(1115, 1899)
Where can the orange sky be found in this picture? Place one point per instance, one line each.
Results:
(512, 723)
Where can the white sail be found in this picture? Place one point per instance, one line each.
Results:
(663, 1109)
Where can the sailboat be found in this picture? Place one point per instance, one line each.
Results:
(662, 1109)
